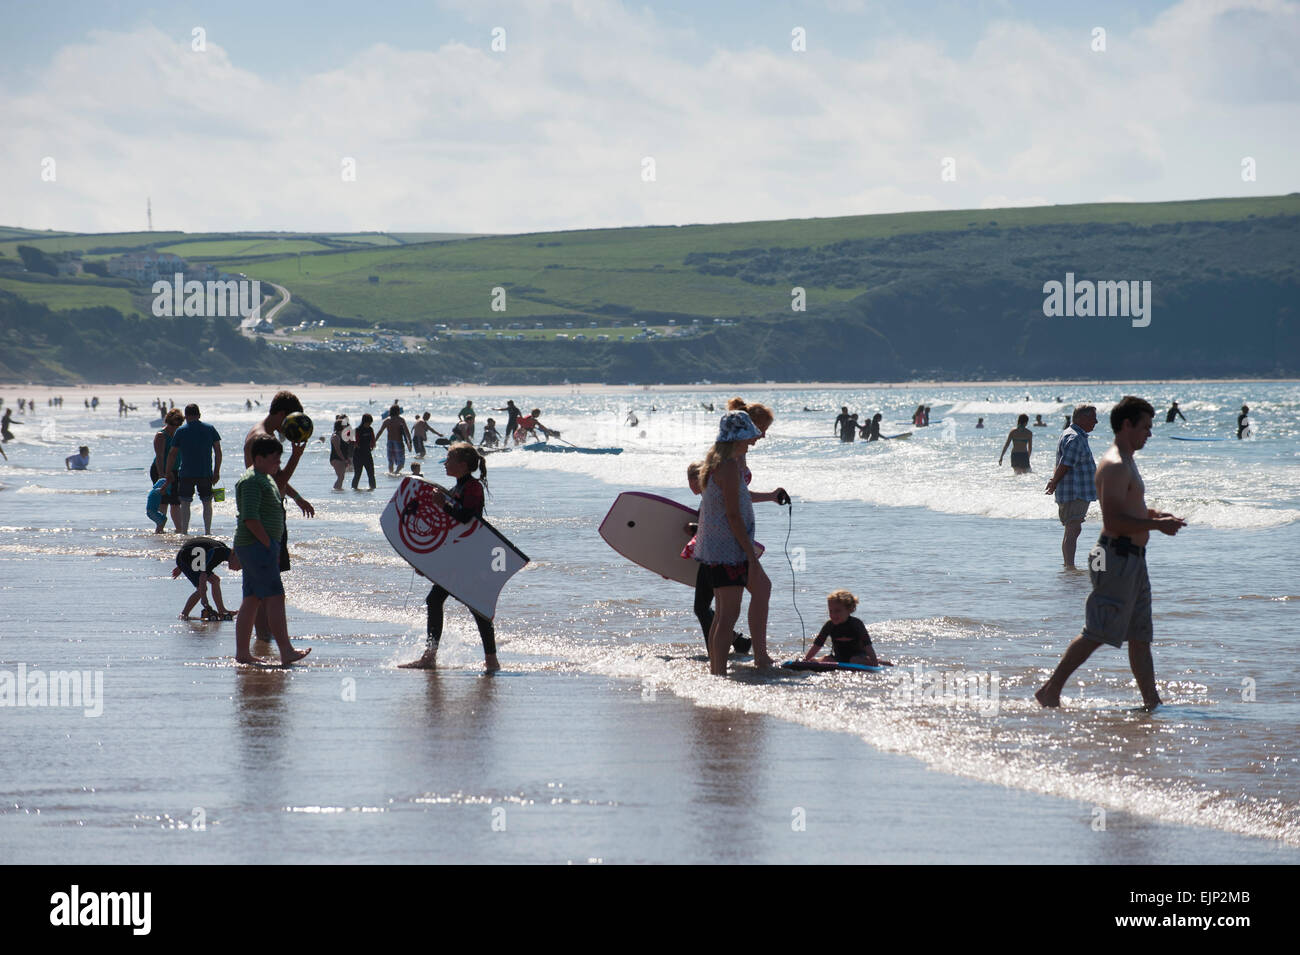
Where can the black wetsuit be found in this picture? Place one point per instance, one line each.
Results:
(362, 456)
(1169, 418)
(844, 422)
(1241, 423)
(848, 639)
(512, 416)
(465, 505)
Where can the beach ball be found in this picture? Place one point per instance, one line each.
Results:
(297, 427)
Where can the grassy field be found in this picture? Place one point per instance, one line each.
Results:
(74, 242)
(599, 274)
(62, 296)
(229, 248)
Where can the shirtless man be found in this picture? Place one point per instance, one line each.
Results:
(1119, 607)
(399, 439)
(283, 404)
(420, 433)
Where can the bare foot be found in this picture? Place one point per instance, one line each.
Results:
(1047, 697)
(427, 661)
(490, 663)
(763, 662)
(248, 659)
(293, 656)
(1149, 705)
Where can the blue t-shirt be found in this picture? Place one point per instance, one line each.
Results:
(193, 442)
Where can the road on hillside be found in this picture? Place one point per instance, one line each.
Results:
(247, 325)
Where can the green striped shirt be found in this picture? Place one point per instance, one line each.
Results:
(258, 499)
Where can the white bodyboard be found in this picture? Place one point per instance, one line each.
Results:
(649, 530)
(471, 561)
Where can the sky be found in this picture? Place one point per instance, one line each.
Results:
(401, 116)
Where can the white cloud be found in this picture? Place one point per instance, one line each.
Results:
(551, 134)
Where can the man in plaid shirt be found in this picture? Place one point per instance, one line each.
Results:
(1074, 481)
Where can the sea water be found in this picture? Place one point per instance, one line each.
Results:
(955, 561)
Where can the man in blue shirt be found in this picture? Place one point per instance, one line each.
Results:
(194, 448)
(1074, 481)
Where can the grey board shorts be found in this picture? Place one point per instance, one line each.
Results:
(1119, 607)
(1071, 512)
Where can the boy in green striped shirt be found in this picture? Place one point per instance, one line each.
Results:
(257, 544)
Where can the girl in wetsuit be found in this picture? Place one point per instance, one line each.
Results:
(464, 502)
(362, 458)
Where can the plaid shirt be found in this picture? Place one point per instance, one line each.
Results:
(1080, 482)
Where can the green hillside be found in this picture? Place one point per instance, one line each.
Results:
(933, 294)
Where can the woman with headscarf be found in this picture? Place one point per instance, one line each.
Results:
(725, 540)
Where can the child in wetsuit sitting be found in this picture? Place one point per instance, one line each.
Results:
(850, 641)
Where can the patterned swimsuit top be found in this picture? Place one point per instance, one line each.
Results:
(714, 542)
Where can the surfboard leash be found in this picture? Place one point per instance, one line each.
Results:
(794, 598)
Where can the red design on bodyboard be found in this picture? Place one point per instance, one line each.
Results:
(422, 524)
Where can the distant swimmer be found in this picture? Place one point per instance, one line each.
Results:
(491, 436)
(512, 416)
(5, 422)
(79, 461)
(874, 427)
(844, 424)
(1039, 422)
(1243, 422)
(1021, 441)
(979, 423)
(1119, 607)
(420, 433)
(198, 560)
(632, 419)
(850, 641)
(248, 404)
(1173, 410)
(467, 416)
